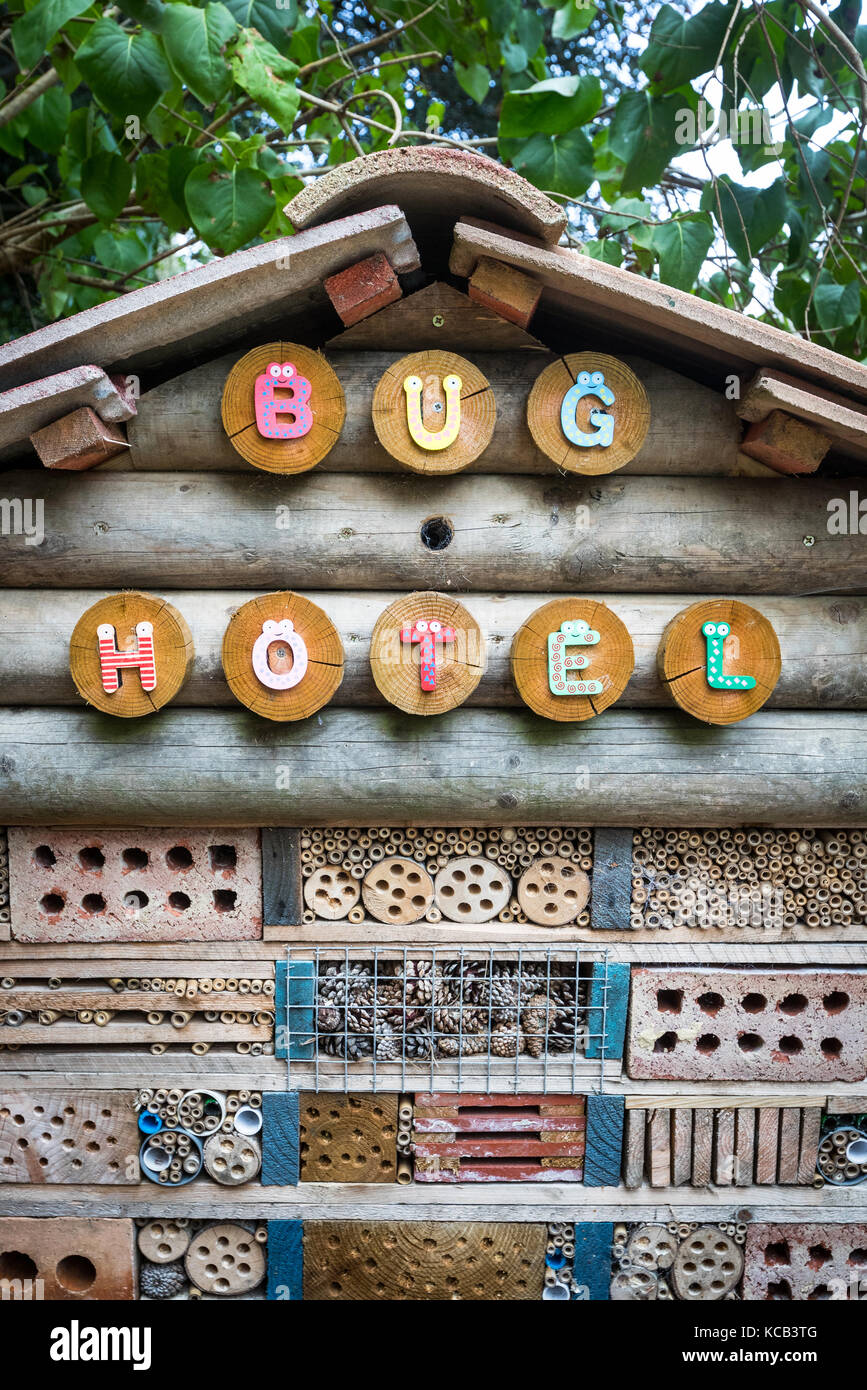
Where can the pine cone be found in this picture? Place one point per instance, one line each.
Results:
(448, 1047)
(447, 1021)
(504, 1041)
(388, 1046)
(534, 1022)
(328, 1019)
(162, 1281)
(418, 1045)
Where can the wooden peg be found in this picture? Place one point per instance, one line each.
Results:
(282, 656)
(534, 654)
(508, 292)
(786, 444)
(78, 441)
(362, 289)
(711, 643)
(305, 408)
(589, 413)
(432, 677)
(417, 403)
(130, 653)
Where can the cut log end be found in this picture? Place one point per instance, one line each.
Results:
(172, 654)
(612, 659)
(629, 411)
(246, 645)
(398, 665)
(326, 406)
(750, 649)
(417, 445)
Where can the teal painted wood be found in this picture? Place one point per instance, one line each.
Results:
(592, 1267)
(281, 1144)
(300, 995)
(612, 879)
(281, 1020)
(603, 1153)
(607, 1005)
(285, 1260)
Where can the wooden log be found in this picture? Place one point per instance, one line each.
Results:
(314, 386)
(300, 632)
(282, 898)
(633, 1148)
(790, 1143)
(821, 640)
(659, 1148)
(785, 443)
(78, 441)
(771, 390)
(693, 430)
(741, 647)
(542, 676)
(418, 671)
(624, 407)
(681, 1145)
(214, 767)
(508, 292)
(702, 1147)
(767, 1145)
(171, 654)
(811, 1127)
(362, 289)
(724, 1148)
(590, 536)
(413, 425)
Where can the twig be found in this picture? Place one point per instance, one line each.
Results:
(365, 46)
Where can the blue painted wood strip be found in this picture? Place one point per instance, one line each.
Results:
(281, 1145)
(285, 1260)
(612, 879)
(592, 1267)
(281, 1020)
(607, 1005)
(603, 1152)
(300, 994)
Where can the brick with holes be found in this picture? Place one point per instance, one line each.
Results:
(67, 1257)
(139, 884)
(805, 1263)
(738, 1025)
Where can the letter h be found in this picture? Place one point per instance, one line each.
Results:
(111, 661)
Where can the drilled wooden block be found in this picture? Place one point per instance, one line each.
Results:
(346, 1138)
(135, 884)
(67, 1258)
(79, 440)
(68, 1137)
(423, 1260)
(363, 288)
(805, 1262)
(733, 1025)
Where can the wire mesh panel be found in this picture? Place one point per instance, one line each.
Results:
(460, 1019)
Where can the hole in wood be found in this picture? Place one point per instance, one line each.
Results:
(831, 1047)
(224, 900)
(669, 1001)
(52, 903)
(93, 903)
(44, 856)
(666, 1042)
(836, 1001)
(179, 901)
(790, 1046)
(437, 533)
(75, 1273)
(750, 1042)
(707, 1043)
(754, 1003)
(778, 1253)
(91, 858)
(14, 1264)
(179, 858)
(793, 1004)
(135, 859)
(710, 1003)
(223, 856)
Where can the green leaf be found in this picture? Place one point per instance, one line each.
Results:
(682, 245)
(530, 30)
(625, 214)
(274, 22)
(228, 206)
(267, 77)
(106, 180)
(514, 56)
(605, 250)
(19, 175)
(557, 163)
(475, 80)
(150, 14)
(159, 184)
(48, 119)
(643, 135)
(195, 41)
(836, 305)
(551, 107)
(127, 73)
(33, 32)
(747, 217)
(572, 18)
(680, 48)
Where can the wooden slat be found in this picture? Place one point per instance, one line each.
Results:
(767, 1145)
(702, 1147)
(811, 1126)
(771, 390)
(724, 1148)
(282, 896)
(612, 879)
(659, 1148)
(790, 1143)
(681, 1145)
(136, 1034)
(142, 1001)
(745, 1146)
(633, 1148)
(751, 1096)
(749, 538)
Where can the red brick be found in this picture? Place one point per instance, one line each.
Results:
(79, 440)
(505, 291)
(803, 1260)
(123, 882)
(363, 289)
(678, 1031)
(785, 443)
(78, 1259)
